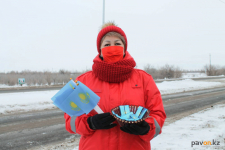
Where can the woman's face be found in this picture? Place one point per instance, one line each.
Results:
(112, 41)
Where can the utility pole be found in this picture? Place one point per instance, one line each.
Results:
(210, 64)
(103, 16)
(210, 60)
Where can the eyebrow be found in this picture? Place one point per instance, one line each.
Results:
(114, 41)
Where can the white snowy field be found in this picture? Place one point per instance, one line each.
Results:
(193, 75)
(169, 87)
(187, 133)
(197, 75)
(3, 86)
(13, 86)
(40, 100)
(26, 101)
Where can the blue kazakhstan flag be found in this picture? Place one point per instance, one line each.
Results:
(76, 99)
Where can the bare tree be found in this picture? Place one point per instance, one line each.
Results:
(222, 71)
(177, 72)
(213, 70)
(166, 71)
(40, 80)
(11, 80)
(48, 77)
(152, 71)
(55, 78)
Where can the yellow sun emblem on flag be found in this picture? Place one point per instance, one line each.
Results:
(84, 97)
(74, 106)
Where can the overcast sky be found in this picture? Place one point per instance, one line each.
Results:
(56, 34)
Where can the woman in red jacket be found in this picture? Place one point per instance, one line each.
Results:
(115, 80)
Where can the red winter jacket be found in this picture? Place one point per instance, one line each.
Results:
(140, 89)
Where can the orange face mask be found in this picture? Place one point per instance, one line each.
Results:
(112, 53)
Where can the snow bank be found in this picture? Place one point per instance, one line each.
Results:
(169, 87)
(25, 85)
(206, 125)
(26, 101)
(193, 75)
(13, 86)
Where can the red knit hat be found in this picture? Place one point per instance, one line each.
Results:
(107, 29)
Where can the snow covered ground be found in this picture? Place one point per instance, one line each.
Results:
(197, 75)
(3, 86)
(14, 86)
(193, 75)
(187, 133)
(26, 101)
(40, 100)
(169, 87)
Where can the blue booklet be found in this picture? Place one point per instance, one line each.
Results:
(75, 99)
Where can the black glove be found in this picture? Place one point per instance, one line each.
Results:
(141, 128)
(101, 121)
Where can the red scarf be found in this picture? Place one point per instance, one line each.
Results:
(114, 72)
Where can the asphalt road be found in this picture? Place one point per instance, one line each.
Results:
(27, 130)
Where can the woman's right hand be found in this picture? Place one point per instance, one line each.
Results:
(101, 121)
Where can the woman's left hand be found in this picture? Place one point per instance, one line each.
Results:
(141, 128)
